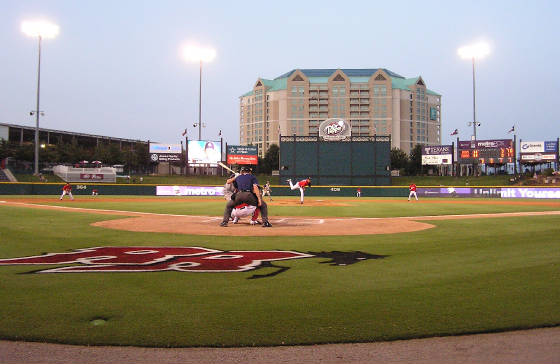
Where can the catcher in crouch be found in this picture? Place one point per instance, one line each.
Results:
(249, 193)
(243, 210)
(301, 185)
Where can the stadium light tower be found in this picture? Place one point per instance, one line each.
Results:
(194, 53)
(39, 29)
(474, 51)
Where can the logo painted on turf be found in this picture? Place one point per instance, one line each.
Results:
(181, 259)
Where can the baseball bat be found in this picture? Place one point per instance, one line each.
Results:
(226, 167)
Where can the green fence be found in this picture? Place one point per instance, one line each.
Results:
(77, 189)
(362, 161)
(22, 188)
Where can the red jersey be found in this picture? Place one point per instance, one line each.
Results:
(303, 183)
(67, 188)
(412, 187)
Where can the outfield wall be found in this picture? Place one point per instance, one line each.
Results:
(22, 188)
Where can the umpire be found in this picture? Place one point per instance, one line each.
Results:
(249, 193)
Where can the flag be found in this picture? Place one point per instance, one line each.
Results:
(184, 133)
(512, 129)
(220, 133)
(455, 132)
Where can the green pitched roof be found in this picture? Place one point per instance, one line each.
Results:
(355, 75)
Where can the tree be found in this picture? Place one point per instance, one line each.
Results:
(270, 160)
(415, 160)
(399, 159)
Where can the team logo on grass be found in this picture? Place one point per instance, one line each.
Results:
(181, 259)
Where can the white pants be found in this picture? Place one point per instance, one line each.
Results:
(295, 187)
(66, 193)
(412, 193)
(244, 211)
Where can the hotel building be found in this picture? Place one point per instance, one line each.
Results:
(373, 101)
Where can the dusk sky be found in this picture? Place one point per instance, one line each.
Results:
(115, 68)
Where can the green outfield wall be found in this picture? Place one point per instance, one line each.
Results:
(22, 188)
(534, 192)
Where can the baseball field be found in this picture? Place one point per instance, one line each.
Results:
(154, 271)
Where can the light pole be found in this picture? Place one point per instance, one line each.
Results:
(474, 51)
(40, 29)
(194, 53)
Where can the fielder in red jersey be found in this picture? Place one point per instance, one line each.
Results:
(301, 185)
(412, 189)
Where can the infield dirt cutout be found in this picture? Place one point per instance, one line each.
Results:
(282, 225)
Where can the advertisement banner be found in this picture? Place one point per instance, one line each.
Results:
(437, 154)
(159, 148)
(551, 146)
(334, 129)
(242, 154)
(204, 152)
(433, 160)
(165, 152)
(189, 191)
(491, 192)
(485, 144)
(437, 149)
(91, 176)
(531, 147)
(537, 157)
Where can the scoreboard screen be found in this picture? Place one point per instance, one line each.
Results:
(498, 151)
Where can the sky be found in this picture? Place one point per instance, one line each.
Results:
(116, 68)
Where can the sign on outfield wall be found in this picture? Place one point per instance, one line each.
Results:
(437, 154)
(242, 154)
(537, 152)
(495, 192)
(189, 191)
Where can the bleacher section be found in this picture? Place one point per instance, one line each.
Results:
(71, 174)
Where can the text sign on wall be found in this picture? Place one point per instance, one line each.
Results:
(165, 152)
(242, 154)
(335, 129)
(189, 191)
(437, 154)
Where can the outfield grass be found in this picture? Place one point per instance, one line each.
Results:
(463, 276)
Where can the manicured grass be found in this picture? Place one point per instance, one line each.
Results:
(463, 276)
(339, 206)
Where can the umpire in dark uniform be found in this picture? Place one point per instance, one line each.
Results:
(247, 192)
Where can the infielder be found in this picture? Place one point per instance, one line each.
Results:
(266, 190)
(301, 185)
(412, 189)
(67, 190)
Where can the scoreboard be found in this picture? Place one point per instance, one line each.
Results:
(496, 151)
